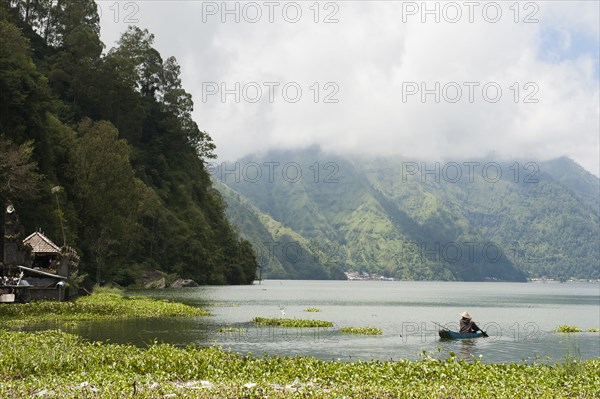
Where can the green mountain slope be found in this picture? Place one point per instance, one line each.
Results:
(282, 252)
(387, 216)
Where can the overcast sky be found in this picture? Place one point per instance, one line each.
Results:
(511, 81)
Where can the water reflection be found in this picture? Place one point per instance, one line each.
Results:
(467, 347)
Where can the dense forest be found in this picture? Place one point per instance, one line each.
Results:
(376, 215)
(101, 144)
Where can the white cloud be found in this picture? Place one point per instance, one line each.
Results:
(369, 55)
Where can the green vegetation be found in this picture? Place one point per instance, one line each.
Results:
(312, 310)
(54, 364)
(291, 322)
(567, 329)
(361, 330)
(593, 329)
(114, 132)
(101, 305)
(366, 215)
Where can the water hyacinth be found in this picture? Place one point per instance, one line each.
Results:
(54, 364)
(567, 329)
(361, 330)
(280, 322)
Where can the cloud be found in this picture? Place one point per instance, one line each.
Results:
(354, 75)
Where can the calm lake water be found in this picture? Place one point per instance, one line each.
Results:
(518, 317)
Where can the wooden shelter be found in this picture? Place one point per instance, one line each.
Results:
(35, 267)
(46, 254)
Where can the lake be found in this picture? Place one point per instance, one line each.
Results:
(518, 317)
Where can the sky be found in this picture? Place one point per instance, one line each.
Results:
(443, 81)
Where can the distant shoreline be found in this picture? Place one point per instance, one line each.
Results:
(532, 281)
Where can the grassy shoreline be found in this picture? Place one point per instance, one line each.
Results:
(54, 364)
(103, 304)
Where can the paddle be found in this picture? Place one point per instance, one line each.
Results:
(439, 325)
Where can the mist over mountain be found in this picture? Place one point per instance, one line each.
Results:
(310, 214)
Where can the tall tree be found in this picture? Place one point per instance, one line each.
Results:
(144, 63)
(36, 14)
(19, 177)
(142, 69)
(111, 201)
(77, 56)
(69, 15)
(23, 92)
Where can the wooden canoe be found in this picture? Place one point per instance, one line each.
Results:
(447, 334)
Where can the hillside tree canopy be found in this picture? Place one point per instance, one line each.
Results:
(114, 130)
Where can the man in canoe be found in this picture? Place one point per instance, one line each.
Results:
(467, 325)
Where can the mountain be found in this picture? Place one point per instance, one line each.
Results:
(282, 252)
(311, 214)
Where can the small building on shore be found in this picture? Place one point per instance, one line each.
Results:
(35, 267)
(45, 254)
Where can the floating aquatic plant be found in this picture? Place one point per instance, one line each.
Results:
(280, 322)
(312, 310)
(567, 329)
(361, 330)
